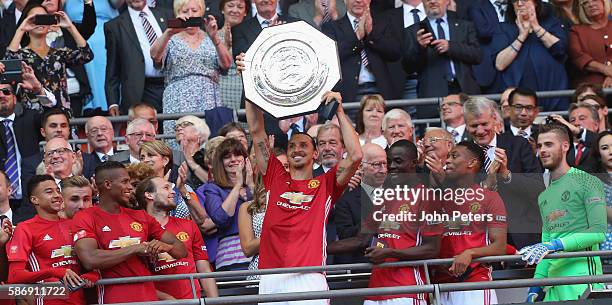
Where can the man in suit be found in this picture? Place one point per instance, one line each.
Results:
(358, 201)
(317, 12)
(452, 115)
(99, 131)
(138, 131)
(8, 22)
(330, 147)
(397, 125)
(585, 122)
(523, 104)
(486, 16)
(130, 74)
(365, 44)
(513, 163)
(441, 49)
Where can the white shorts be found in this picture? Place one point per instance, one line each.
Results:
(472, 297)
(398, 301)
(293, 282)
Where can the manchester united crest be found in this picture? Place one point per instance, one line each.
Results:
(182, 236)
(475, 207)
(313, 184)
(136, 226)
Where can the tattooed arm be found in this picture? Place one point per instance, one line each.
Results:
(255, 120)
(347, 167)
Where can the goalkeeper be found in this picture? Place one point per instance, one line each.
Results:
(573, 215)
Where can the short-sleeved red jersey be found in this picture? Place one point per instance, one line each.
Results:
(293, 233)
(402, 234)
(462, 234)
(187, 232)
(113, 232)
(44, 245)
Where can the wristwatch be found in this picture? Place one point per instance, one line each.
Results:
(186, 197)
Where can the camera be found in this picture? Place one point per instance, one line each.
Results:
(46, 19)
(12, 72)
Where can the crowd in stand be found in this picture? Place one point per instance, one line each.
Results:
(302, 191)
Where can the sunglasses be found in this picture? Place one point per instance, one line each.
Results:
(6, 91)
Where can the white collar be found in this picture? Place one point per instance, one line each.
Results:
(351, 18)
(460, 129)
(494, 141)
(516, 130)
(9, 214)
(109, 153)
(136, 14)
(261, 19)
(134, 160)
(407, 7)
(10, 117)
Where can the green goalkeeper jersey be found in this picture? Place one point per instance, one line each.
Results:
(573, 209)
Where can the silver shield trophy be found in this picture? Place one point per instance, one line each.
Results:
(288, 69)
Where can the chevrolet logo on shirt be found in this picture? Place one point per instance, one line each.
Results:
(65, 251)
(123, 242)
(296, 198)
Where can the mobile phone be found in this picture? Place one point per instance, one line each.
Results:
(180, 24)
(73, 288)
(423, 26)
(12, 72)
(46, 19)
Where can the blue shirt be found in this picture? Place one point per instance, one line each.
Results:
(434, 26)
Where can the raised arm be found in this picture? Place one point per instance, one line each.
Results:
(348, 166)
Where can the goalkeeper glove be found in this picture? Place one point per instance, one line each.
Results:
(535, 253)
(533, 294)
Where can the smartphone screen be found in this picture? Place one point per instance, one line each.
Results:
(45, 19)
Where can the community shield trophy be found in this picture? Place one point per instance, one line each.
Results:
(288, 69)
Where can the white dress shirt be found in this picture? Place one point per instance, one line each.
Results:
(262, 19)
(9, 214)
(108, 154)
(11, 117)
(460, 130)
(500, 17)
(150, 70)
(408, 19)
(134, 160)
(516, 130)
(300, 125)
(254, 9)
(365, 76)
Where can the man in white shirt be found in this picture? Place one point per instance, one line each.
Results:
(330, 147)
(99, 131)
(452, 115)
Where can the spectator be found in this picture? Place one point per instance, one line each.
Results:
(234, 130)
(191, 134)
(365, 44)
(566, 11)
(586, 39)
(99, 228)
(209, 153)
(317, 12)
(230, 83)
(330, 146)
(584, 115)
(290, 126)
(138, 131)
(602, 109)
(437, 145)
(583, 120)
(580, 197)
(155, 196)
(99, 131)
(77, 195)
(143, 111)
(505, 105)
(356, 204)
(602, 154)
(478, 238)
(442, 62)
(585, 89)
(5, 193)
(250, 222)
(159, 157)
(513, 163)
(397, 125)
(77, 82)
(49, 63)
(138, 172)
(222, 200)
(369, 120)
(131, 76)
(191, 61)
(9, 18)
(31, 261)
(523, 111)
(530, 51)
(59, 158)
(452, 115)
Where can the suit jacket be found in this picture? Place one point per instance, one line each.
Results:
(8, 26)
(350, 210)
(318, 171)
(125, 62)
(486, 22)
(586, 160)
(381, 46)
(26, 120)
(431, 67)
(305, 10)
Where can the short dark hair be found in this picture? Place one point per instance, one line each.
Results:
(53, 111)
(522, 92)
(145, 186)
(312, 140)
(231, 126)
(558, 128)
(412, 149)
(476, 151)
(101, 172)
(247, 5)
(35, 181)
(597, 88)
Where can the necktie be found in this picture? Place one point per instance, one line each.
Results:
(523, 134)
(579, 151)
(104, 158)
(265, 24)
(153, 3)
(415, 15)
(488, 161)
(441, 35)
(455, 135)
(500, 7)
(326, 14)
(10, 164)
(364, 56)
(149, 31)
(294, 129)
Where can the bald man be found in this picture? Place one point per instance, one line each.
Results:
(99, 131)
(357, 202)
(436, 145)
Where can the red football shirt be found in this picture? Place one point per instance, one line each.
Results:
(187, 232)
(113, 232)
(44, 245)
(402, 234)
(462, 234)
(293, 233)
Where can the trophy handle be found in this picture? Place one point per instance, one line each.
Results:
(327, 111)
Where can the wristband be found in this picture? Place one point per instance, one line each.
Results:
(521, 41)
(540, 37)
(513, 48)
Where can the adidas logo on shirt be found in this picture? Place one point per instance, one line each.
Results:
(106, 229)
(47, 237)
